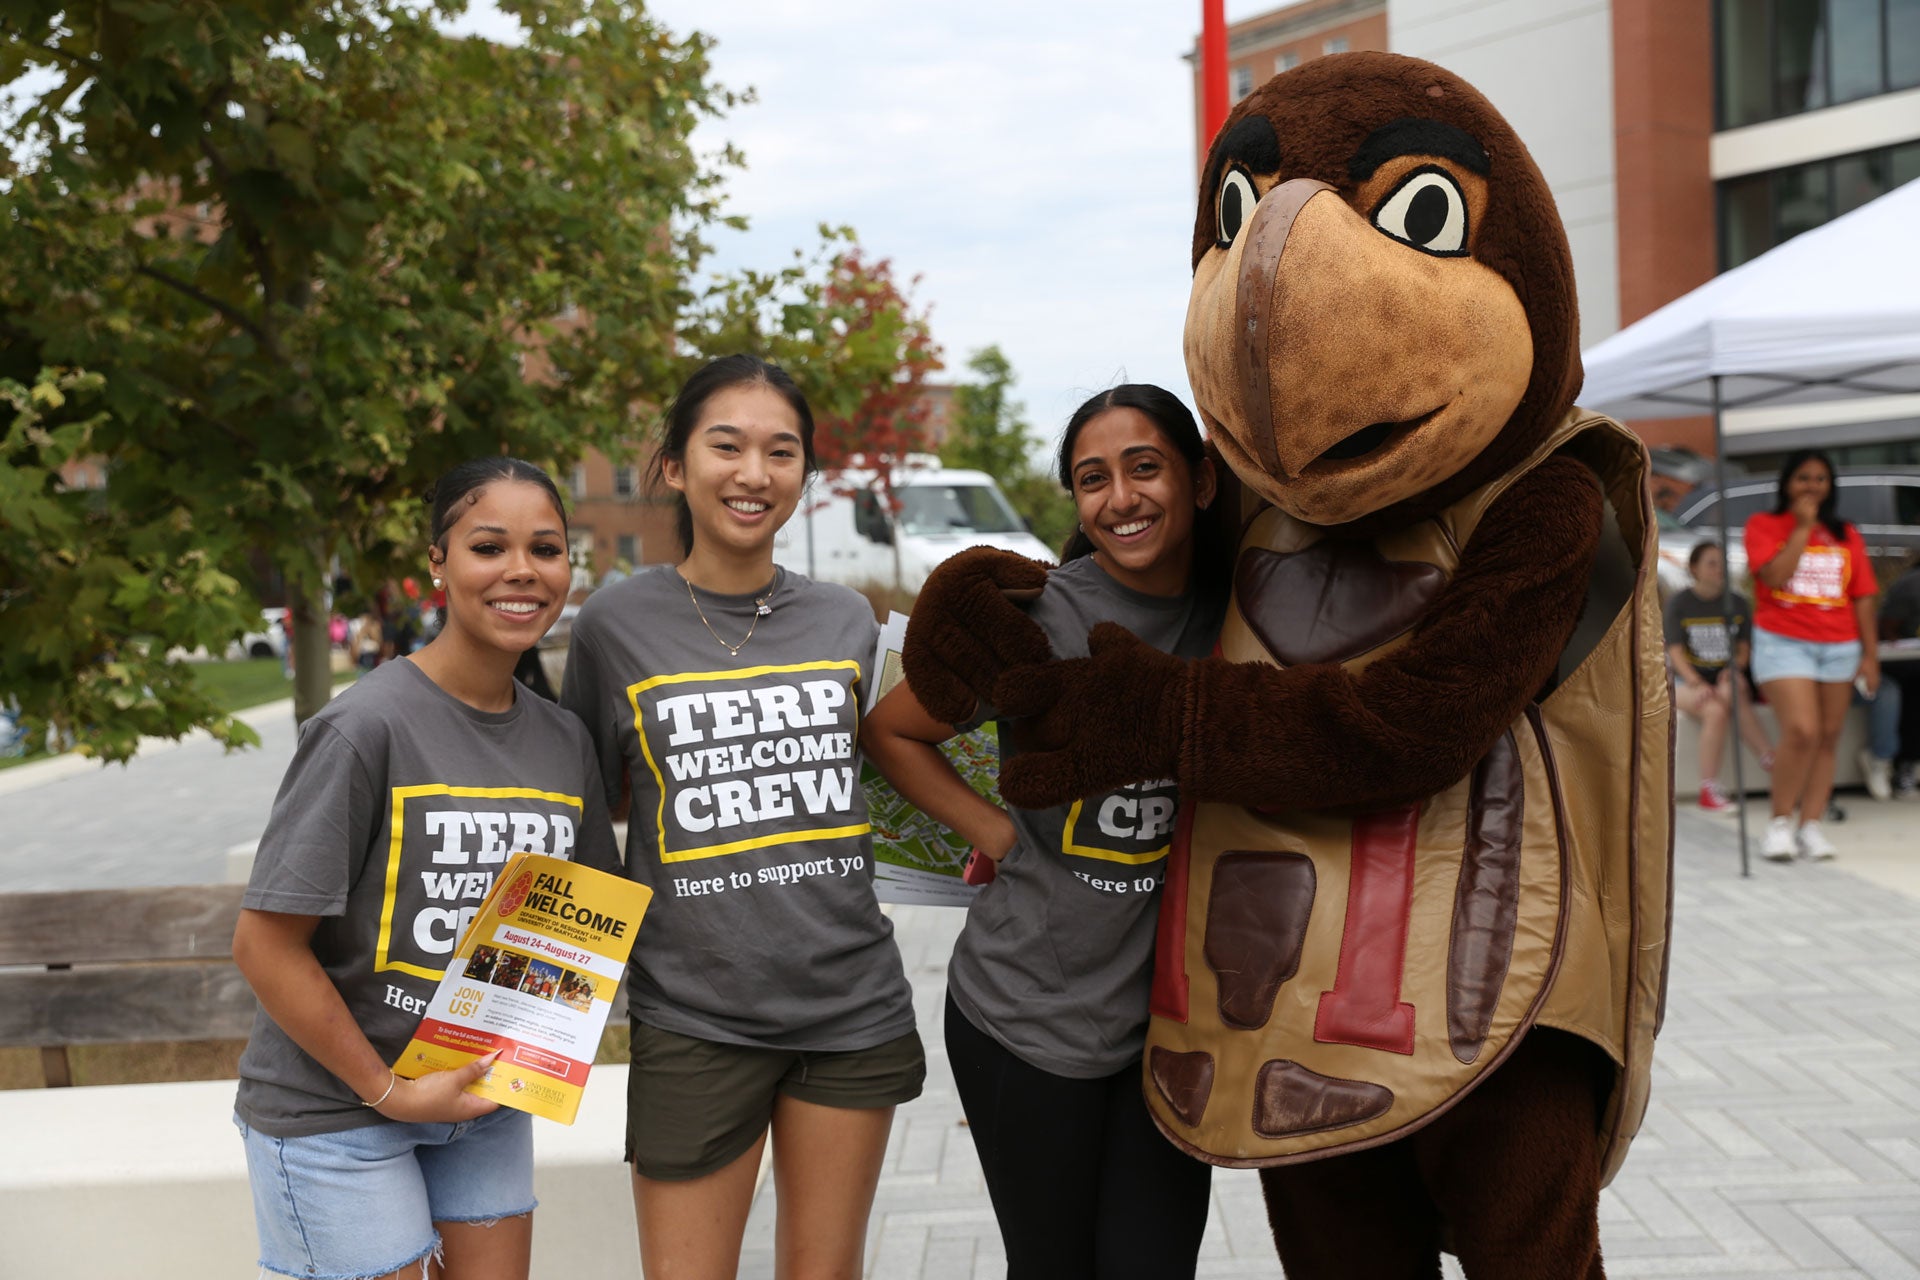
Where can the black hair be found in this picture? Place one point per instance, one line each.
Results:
(683, 413)
(1700, 548)
(1827, 516)
(461, 485)
(1212, 560)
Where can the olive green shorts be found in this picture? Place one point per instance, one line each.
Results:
(695, 1106)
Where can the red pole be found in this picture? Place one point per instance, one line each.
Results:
(1213, 68)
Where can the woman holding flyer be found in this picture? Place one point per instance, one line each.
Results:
(405, 796)
(1047, 991)
(766, 989)
(1814, 639)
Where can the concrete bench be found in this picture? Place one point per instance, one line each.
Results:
(151, 1179)
(1686, 754)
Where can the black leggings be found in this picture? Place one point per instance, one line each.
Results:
(1084, 1186)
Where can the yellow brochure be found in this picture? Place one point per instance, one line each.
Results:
(534, 977)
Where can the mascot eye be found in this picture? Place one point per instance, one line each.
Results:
(1234, 205)
(1427, 211)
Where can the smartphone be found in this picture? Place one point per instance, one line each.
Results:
(978, 869)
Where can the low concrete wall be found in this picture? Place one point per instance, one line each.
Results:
(1686, 754)
(150, 1180)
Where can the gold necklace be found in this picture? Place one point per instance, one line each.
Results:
(760, 610)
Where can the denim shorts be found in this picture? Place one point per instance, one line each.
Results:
(362, 1202)
(1778, 657)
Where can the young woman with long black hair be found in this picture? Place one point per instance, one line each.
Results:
(405, 796)
(766, 990)
(1047, 990)
(1814, 634)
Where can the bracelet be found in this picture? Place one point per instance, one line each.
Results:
(393, 1078)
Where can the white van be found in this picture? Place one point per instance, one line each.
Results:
(844, 533)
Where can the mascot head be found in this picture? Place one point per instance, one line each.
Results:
(1383, 314)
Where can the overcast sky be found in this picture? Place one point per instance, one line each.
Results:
(1030, 160)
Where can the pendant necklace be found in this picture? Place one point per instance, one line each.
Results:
(761, 608)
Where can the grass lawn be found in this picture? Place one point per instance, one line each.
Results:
(252, 681)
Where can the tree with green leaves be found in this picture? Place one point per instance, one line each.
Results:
(81, 576)
(303, 250)
(989, 432)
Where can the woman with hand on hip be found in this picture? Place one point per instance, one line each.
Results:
(1814, 635)
(766, 990)
(1047, 991)
(429, 770)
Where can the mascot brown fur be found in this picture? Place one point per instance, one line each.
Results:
(1413, 942)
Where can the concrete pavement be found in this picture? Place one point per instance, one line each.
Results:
(168, 816)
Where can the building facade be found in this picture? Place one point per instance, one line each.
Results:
(1264, 45)
(1684, 137)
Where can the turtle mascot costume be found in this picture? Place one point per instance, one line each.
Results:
(1414, 933)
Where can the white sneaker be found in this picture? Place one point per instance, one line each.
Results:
(1814, 843)
(1877, 773)
(1780, 845)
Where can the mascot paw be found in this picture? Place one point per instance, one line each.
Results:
(1091, 724)
(968, 628)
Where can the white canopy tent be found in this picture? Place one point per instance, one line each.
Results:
(1832, 314)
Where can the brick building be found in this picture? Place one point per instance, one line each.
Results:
(1268, 43)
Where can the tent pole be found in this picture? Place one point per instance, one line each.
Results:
(1726, 616)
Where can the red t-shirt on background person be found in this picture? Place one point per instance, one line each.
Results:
(1816, 603)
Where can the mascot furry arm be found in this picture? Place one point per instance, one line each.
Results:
(1308, 736)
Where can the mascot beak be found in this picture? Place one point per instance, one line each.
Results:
(1256, 301)
(1363, 370)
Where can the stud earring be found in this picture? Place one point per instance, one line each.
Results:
(437, 584)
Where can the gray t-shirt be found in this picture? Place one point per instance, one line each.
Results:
(401, 804)
(1701, 625)
(747, 818)
(1056, 957)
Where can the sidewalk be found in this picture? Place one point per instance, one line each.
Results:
(1783, 1139)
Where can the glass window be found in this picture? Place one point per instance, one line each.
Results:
(1286, 61)
(626, 481)
(1338, 44)
(956, 508)
(1745, 85)
(1903, 44)
(1746, 219)
(1856, 49)
(1903, 163)
(1864, 503)
(1906, 503)
(1858, 179)
(627, 547)
(1746, 501)
(1242, 82)
(1799, 56)
(1801, 199)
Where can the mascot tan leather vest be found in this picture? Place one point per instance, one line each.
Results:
(1328, 982)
